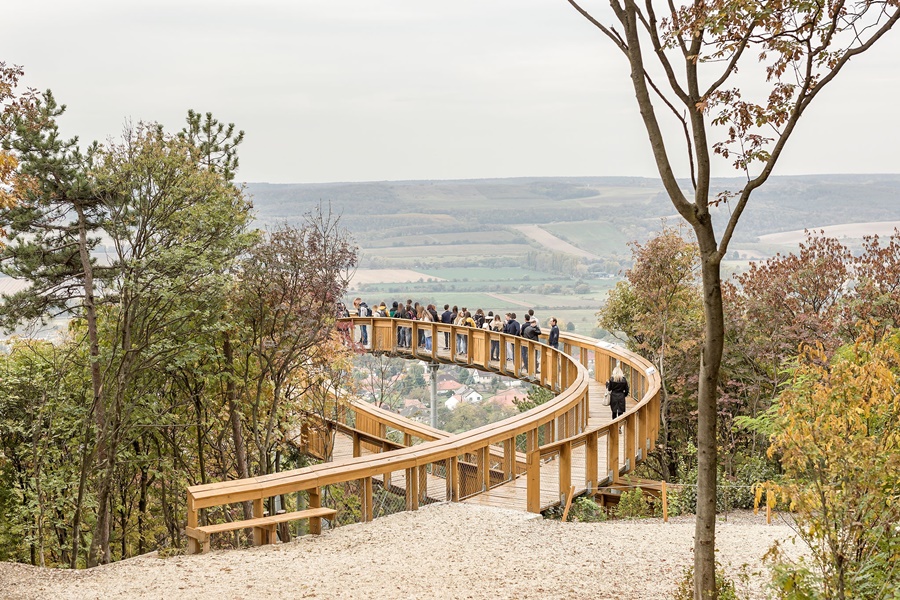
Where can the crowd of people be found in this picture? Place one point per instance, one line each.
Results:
(529, 329)
(452, 315)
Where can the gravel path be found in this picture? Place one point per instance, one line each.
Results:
(441, 551)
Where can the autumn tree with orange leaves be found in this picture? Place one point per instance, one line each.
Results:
(10, 105)
(684, 59)
(837, 439)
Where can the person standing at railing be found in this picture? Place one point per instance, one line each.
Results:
(511, 328)
(447, 319)
(530, 331)
(362, 310)
(553, 337)
(496, 326)
(460, 337)
(618, 391)
(425, 316)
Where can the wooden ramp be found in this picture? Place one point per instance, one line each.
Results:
(436, 490)
(511, 495)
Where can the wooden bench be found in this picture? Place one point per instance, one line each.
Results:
(264, 525)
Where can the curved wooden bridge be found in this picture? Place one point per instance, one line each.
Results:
(528, 462)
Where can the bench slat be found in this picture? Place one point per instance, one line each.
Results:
(271, 520)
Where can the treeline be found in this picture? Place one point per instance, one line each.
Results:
(808, 391)
(194, 342)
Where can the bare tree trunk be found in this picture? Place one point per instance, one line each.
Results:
(142, 500)
(710, 361)
(240, 450)
(101, 534)
(198, 410)
(86, 459)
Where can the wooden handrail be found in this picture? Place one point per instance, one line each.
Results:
(566, 413)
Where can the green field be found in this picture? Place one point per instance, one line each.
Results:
(598, 237)
(495, 236)
(451, 250)
(516, 274)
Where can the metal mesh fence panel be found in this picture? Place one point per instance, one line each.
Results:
(388, 494)
(346, 500)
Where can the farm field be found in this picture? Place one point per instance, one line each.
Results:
(451, 250)
(614, 196)
(596, 297)
(493, 274)
(388, 276)
(552, 242)
(494, 236)
(584, 320)
(442, 287)
(597, 237)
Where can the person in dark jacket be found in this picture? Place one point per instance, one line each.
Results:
(618, 390)
(530, 331)
(511, 328)
(447, 318)
(553, 338)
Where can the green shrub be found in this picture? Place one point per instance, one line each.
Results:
(633, 505)
(731, 493)
(585, 510)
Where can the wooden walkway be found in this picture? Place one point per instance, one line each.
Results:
(436, 466)
(511, 495)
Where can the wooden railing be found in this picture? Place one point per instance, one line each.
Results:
(477, 460)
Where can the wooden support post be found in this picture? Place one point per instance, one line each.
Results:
(452, 343)
(407, 439)
(509, 459)
(665, 503)
(193, 543)
(565, 468)
(483, 466)
(452, 470)
(629, 431)
(612, 453)
(423, 484)
(533, 473)
(412, 491)
(644, 432)
(590, 457)
(315, 501)
(259, 533)
(568, 502)
(544, 352)
(368, 500)
(768, 509)
(550, 366)
(357, 447)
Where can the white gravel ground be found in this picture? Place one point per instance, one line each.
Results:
(441, 551)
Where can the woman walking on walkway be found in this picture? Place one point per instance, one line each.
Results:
(618, 390)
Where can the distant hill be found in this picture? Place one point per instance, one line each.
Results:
(375, 210)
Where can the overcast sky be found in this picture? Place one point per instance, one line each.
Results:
(356, 90)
